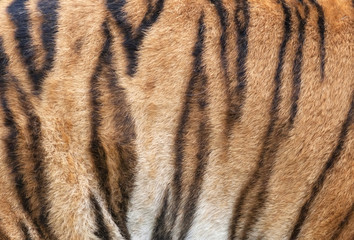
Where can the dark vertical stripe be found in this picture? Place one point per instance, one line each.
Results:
(322, 31)
(159, 231)
(20, 17)
(343, 223)
(297, 68)
(131, 42)
(125, 145)
(332, 160)
(12, 146)
(11, 142)
(269, 147)
(165, 229)
(25, 231)
(102, 231)
(274, 133)
(48, 9)
(237, 94)
(223, 38)
(96, 148)
(199, 80)
(37, 154)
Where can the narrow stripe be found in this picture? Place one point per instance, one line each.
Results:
(332, 160)
(199, 79)
(167, 226)
(102, 231)
(20, 17)
(274, 133)
(269, 147)
(237, 94)
(25, 231)
(343, 223)
(37, 155)
(11, 141)
(159, 232)
(97, 150)
(125, 145)
(322, 32)
(298, 63)
(34, 129)
(131, 43)
(222, 13)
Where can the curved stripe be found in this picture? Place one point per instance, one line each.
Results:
(322, 32)
(332, 160)
(102, 231)
(297, 68)
(20, 17)
(237, 94)
(343, 223)
(131, 42)
(269, 145)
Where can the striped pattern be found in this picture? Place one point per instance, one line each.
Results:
(169, 119)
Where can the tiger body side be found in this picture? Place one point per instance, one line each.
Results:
(176, 119)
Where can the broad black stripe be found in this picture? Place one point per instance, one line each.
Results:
(297, 68)
(343, 223)
(131, 42)
(199, 81)
(165, 229)
(159, 232)
(102, 231)
(274, 133)
(48, 9)
(237, 94)
(270, 144)
(20, 17)
(125, 144)
(332, 160)
(322, 31)
(96, 148)
(25, 231)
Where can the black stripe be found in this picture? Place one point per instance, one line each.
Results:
(37, 155)
(11, 141)
(166, 227)
(97, 150)
(273, 136)
(102, 231)
(269, 147)
(322, 31)
(159, 232)
(25, 231)
(237, 94)
(131, 42)
(223, 38)
(332, 160)
(199, 81)
(297, 68)
(125, 143)
(343, 223)
(48, 9)
(20, 17)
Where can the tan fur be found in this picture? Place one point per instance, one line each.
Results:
(174, 149)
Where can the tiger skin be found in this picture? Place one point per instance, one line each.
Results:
(176, 119)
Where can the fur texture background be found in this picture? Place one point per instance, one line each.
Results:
(176, 119)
